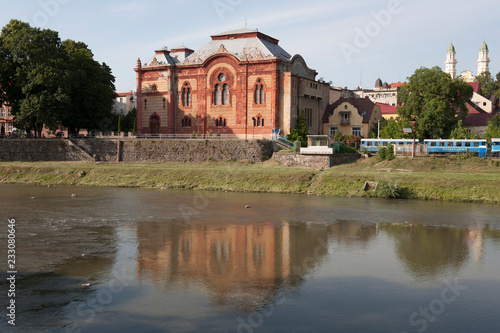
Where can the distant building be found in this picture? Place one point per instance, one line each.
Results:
(6, 121)
(483, 63)
(451, 62)
(351, 116)
(242, 82)
(482, 102)
(388, 111)
(381, 93)
(124, 103)
(477, 120)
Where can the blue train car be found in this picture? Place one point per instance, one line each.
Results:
(440, 146)
(372, 145)
(495, 146)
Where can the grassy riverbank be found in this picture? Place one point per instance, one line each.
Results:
(453, 178)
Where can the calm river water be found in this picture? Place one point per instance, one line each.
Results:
(135, 260)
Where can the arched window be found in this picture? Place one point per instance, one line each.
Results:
(258, 121)
(221, 91)
(220, 122)
(217, 95)
(225, 96)
(164, 103)
(259, 93)
(186, 95)
(145, 104)
(186, 122)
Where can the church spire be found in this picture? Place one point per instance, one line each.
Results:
(451, 62)
(483, 63)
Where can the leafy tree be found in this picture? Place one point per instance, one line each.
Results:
(435, 100)
(393, 129)
(130, 120)
(90, 86)
(49, 82)
(488, 84)
(460, 132)
(299, 133)
(493, 128)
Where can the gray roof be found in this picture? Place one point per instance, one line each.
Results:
(161, 60)
(250, 48)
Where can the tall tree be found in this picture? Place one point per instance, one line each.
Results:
(435, 100)
(49, 82)
(90, 86)
(488, 84)
(32, 74)
(393, 129)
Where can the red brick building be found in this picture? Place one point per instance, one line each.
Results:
(242, 83)
(6, 121)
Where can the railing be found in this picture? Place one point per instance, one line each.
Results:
(192, 136)
(286, 143)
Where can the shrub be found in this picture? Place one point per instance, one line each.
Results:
(382, 152)
(386, 189)
(389, 152)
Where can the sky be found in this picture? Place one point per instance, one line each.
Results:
(350, 43)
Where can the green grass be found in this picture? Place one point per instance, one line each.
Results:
(454, 179)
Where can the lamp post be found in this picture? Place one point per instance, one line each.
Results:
(414, 136)
(378, 129)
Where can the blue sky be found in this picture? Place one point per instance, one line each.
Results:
(346, 42)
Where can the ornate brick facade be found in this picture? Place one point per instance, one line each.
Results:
(240, 83)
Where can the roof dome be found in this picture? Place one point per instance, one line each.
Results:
(451, 48)
(484, 47)
(386, 85)
(378, 83)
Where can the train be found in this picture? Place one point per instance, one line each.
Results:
(434, 146)
(372, 145)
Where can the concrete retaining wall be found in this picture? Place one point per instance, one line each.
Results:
(314, 161)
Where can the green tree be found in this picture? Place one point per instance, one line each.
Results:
(49, 82)
(460, 132)
(90, 86)
(393, 129)
(435, 100)
(488, 85)
(129, 121)
(32, 71)
(493, 128)
(299, 133)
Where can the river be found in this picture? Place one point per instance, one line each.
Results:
(142, 260)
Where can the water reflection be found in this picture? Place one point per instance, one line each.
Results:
(240, 266)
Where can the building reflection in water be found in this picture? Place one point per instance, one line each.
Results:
(241, 266)
(246, 266)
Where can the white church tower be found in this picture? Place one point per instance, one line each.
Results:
(483, 63)
(451, 62)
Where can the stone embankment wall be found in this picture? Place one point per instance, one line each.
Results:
(195, 150)
(39, 150)
(134, 150)
(314, 161)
